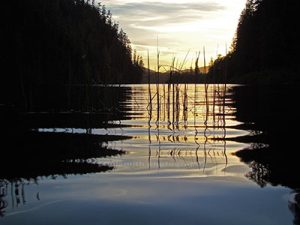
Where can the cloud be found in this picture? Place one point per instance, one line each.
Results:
(179, 25)
(148, 15)
(162, 7)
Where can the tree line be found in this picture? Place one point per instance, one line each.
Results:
(266, 45)
(60, 43)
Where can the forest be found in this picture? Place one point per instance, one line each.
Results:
(266, 45)
(53, 51)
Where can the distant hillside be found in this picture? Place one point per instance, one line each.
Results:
(186, 76)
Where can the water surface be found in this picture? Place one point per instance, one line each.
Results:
(166, 156)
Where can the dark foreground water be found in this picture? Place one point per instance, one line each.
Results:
(164, 155)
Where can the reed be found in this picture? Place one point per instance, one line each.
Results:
(173, 106)
(224, 105)
(149, 91)
(157, 84)
(171, 72)
(197, 70)
(206, 89)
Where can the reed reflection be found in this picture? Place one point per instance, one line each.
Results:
(190, 121)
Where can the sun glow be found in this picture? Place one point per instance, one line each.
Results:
(179, 26)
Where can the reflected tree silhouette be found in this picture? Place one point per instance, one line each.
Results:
(272, 158)
(3, 194)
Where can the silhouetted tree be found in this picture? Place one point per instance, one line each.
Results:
(58, 44)
(266, 40)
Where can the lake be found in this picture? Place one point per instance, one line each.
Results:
(158, 154)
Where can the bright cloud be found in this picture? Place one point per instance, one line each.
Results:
(180, 26)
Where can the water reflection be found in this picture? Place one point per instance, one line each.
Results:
(159, 131)
(272, 113)
(51, 154)
(3, 194)
(294, 206)
(178, 127)
(39, 145)
(276, 162)
(16, 191)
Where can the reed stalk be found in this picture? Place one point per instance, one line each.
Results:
(149, 89)
(206, 88)
(157, 83)
(224, 105)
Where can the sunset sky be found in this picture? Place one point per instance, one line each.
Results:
(181, 26)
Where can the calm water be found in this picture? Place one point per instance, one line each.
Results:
(167, 157)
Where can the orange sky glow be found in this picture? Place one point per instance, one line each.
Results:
(180, 27)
